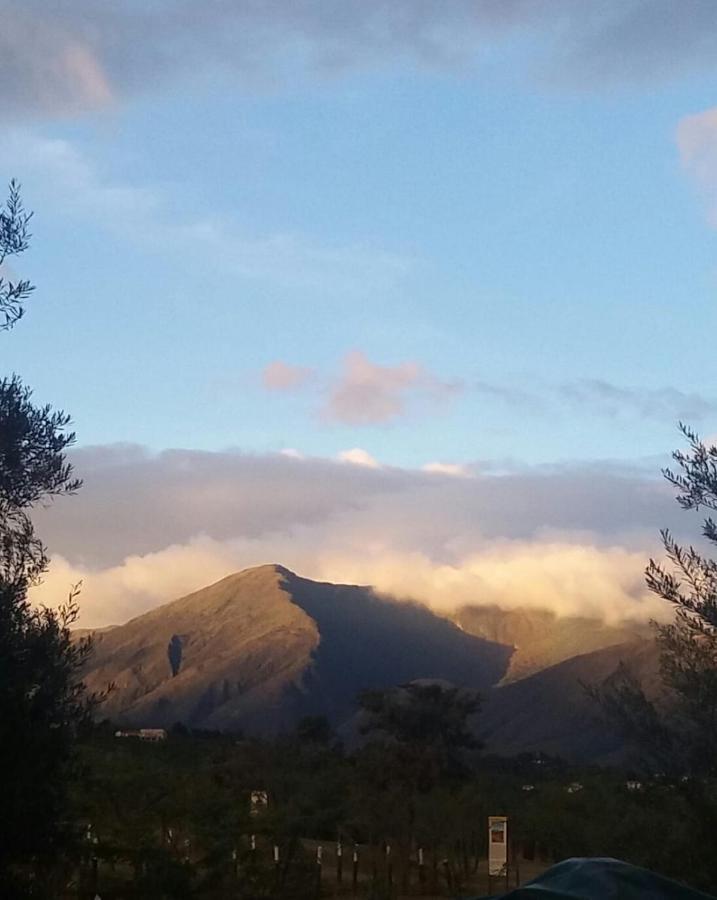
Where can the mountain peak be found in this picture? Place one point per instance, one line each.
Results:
(264, 646)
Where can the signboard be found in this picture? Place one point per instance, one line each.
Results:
(497, 845)
(258, 802)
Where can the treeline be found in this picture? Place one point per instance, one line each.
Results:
(176, 819)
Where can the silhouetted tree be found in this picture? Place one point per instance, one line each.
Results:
(14, 239)
(426, 725)
(677, 731)
(422, 714)
(42, 701)
(314, 730)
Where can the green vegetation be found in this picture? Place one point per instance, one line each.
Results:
(42, 702)
(174, 819)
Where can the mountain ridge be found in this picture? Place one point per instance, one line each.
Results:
(263, 647)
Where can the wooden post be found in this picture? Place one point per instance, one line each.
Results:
(354, 869)
(95, 875)
(421, 870)
(389, 867)
(339, 862)
(319, 863)
(448, 875)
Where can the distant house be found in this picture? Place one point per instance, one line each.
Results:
(144, 734)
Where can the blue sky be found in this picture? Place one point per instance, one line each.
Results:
(508, 235)
(468, 232)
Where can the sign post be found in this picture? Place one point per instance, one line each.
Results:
(497, 848)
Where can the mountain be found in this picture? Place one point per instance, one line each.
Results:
(551, 711)
(263, 647)
(540, 638)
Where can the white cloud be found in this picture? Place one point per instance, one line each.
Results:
(455, 470)
(359, 457)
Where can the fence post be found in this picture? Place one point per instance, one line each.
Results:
(447, 874)
(319, 863)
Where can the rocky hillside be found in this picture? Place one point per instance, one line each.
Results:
(260, 648)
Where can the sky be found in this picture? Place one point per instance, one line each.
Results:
(412, 292)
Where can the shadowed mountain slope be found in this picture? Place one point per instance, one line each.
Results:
(260, 648)
(551, 711)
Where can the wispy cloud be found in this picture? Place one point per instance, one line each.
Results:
(697, 144)
(62, 58)
(667, 404)
(600, 397)
(281, 376)
(370, 393)
(74, 183)
(364, 392)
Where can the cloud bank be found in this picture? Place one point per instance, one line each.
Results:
(69, 57)
(147, 528)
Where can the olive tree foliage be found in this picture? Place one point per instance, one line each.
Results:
(677, 729)
(42, 700)
(14, 239)
(424, 727)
